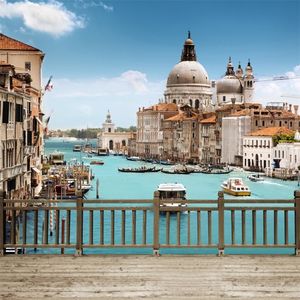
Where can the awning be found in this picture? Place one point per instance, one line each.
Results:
(36, 170)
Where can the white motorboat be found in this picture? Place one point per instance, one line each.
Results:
(172, 195)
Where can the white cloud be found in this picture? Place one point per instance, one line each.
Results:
(270, 91)
(52, 17)
(93, 3)
(87, 100)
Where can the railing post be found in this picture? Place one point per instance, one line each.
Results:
(2, 223)
(79, 212)
(221, 223)
(156, 204)
(297, 222)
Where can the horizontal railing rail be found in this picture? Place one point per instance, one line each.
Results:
(156, 224)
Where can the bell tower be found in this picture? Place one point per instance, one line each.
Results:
(108, 126)
(248, 83)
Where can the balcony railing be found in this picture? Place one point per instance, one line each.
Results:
(84, 224)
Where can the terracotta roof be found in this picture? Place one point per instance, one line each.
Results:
(163, 107)
(240, 113)
(8, 43)
(272, 131)
(210, 120)
(182, 117)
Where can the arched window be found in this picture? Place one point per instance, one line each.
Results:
(123, 143)
(224, 98)
(174, 101)
(197, 104)
(191, 102)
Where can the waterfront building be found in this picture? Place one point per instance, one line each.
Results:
(149, 139)
(181, 136)
(235, 85)
(208, 140)
(111, 139)
(21, 79)
(260, 150)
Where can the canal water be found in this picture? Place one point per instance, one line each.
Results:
(118, 185)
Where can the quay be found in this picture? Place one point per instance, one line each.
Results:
(135, 277)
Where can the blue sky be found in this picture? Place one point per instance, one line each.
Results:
(116, 55)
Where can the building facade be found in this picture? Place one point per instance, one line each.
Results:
(21, 118)
(111, 139)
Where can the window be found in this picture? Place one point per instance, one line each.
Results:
(224, 98)
(263, 123)
(279, 123)
(19, 113)
(191, 102)
(174, 101)
(197, 104)
(256, 123)
(27, 66)
(5, 114)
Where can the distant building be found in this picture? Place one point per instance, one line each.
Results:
(111, 139)
(149, 139)
(21, 127)
(235, 85)
(181, 136)
(260, 151)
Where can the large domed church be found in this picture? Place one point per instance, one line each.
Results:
(188, 81)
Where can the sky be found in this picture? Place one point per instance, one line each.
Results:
(116, 55)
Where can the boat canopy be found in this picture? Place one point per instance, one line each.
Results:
(171, 187)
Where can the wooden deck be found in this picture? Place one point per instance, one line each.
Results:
(170, 277)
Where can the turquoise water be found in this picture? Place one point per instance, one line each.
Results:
(117, 185)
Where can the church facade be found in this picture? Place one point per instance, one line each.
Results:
(111, 139)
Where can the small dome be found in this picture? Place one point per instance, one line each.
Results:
(188, 72)
(229, 84)
(189, 42)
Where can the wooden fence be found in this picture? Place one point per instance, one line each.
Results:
(81, 224)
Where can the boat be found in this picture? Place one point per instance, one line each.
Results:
(133, 158)
(178, 169)
(255, 177)
(166, 162)
(57, 158)
(96, 162)
(216, 171)
(172, 195)
(235, 187)
(76, 148)
(102, 152)
(142, 169)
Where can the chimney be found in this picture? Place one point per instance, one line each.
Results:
(296, 109)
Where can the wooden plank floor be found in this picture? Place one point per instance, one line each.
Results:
(169, 277)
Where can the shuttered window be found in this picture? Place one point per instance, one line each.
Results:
(5, 112)
(19, 113)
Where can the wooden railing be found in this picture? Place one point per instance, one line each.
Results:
(82, 224)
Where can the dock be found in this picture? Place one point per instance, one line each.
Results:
(135, 277)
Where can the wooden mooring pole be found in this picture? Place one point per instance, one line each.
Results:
(97, 188)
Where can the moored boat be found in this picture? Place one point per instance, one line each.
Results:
(142, 169)
(96, 162)
(77, 148)
(235, 187)
(133, 158)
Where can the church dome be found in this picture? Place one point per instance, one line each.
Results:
(229, 84)
(188, 72)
